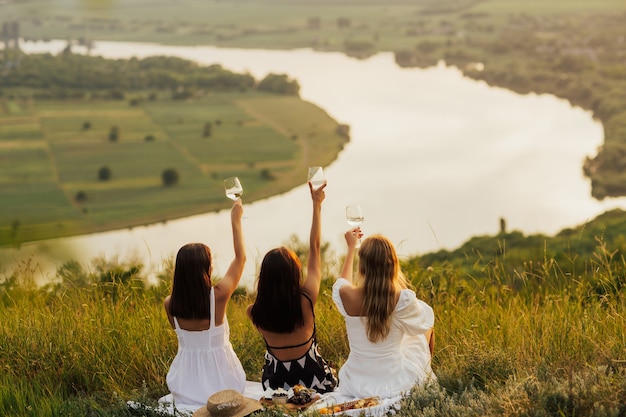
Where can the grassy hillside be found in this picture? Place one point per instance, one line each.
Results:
(86, 344)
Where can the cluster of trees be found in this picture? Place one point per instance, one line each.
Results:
(70, 75)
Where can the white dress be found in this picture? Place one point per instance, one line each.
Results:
(390, 367)
(204, 364)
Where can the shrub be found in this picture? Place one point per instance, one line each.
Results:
(104, 173)
(114, 134)
(80, 197)
(169, 177)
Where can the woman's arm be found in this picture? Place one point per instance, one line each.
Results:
(166, 305)
(311, 285)
(229, 283)
(430, 336)
(352, 238)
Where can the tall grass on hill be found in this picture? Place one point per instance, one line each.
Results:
(86, 344)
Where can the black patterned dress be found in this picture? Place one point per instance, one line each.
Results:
(310, 370)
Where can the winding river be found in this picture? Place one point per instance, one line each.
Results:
(435, 158)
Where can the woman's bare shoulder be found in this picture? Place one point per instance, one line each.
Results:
(352, 299)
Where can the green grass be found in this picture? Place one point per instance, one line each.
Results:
(94, 339)
(48, 157)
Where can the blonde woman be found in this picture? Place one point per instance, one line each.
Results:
(389, 330)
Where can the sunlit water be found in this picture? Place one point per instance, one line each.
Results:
(434, 159)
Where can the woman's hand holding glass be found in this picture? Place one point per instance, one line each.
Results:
(317, 192)
(353, 237)
(354, 217)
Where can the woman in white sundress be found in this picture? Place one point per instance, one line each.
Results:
(205, 362)
(390, 331)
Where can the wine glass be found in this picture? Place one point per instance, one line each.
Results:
(233, 188)
(316, 177)
(354, 216)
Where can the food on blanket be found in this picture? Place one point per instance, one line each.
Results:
(351, 405)
(329, 410)
(302, 395)
(280, 396)
(297, 398)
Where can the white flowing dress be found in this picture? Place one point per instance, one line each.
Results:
(204, 364)
(390, 367)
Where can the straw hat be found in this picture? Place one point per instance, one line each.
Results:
(228, 403)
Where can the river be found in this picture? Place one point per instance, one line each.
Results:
(434, 159)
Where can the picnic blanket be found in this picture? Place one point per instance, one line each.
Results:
(255, 391)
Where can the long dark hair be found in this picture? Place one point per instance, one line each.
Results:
(191, 285)
(278, 305)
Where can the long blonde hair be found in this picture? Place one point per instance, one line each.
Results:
(380, 273)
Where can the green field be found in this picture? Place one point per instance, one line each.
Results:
(48, 157)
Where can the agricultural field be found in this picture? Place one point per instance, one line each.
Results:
(54, 152)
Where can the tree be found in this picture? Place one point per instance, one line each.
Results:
(279, 84)
(15, 225)
(104, 173)
(207, 130)
(169, 177)
(86, 125)
(343, 22)
(266, 174)
(114, 134)
(116, 95)
(80, 197)
(343, 130)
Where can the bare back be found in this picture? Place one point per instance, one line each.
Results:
(289, 346)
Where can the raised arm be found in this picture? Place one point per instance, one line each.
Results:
(229, 283)
(313, 279)
(352, 238)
